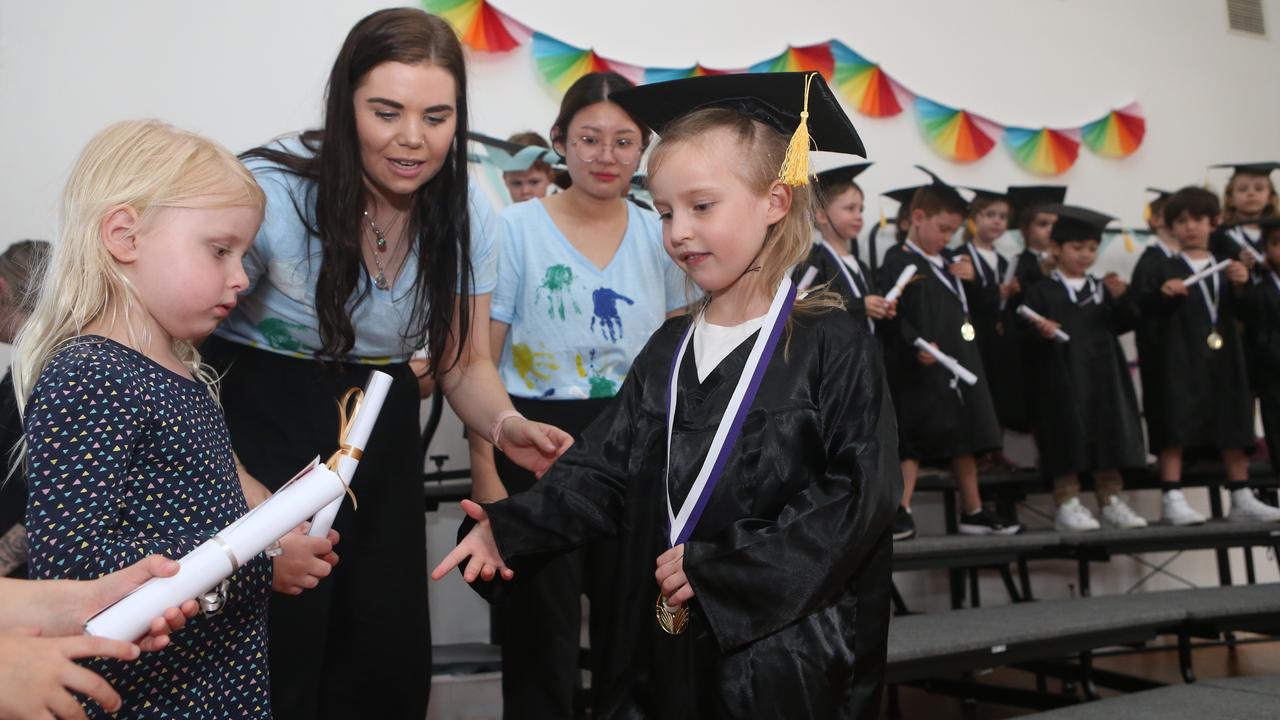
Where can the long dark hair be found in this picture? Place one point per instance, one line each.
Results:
(439, 218)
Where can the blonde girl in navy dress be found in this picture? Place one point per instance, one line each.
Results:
(127, 454)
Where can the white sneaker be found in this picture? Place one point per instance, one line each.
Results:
(1074, 517)
(1117, 514)
(1246, 507)
(1177, 511)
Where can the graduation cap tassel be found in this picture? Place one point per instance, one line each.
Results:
(795, 166)
(884, 219)
(1128, 241)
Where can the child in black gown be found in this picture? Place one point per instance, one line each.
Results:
(748, 464)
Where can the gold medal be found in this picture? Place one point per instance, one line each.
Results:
(672, 622)
(967, 332)
(1214, 341)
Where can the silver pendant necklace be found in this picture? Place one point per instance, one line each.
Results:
(379, 247)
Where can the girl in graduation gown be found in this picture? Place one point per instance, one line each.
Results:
(834, 257)
(941, 420)
(1208, 405)
(988, 295)
(1084, 409)
(783, 569)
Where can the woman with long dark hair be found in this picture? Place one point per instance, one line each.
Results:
(371, 247)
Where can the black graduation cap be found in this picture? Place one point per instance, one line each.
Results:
(1159, 193)
(942, 187)
(1025, 197)
(1254, 168)
(981, 194)
(842, 174)
(903, 195)
(775, 99)
(1077, 223)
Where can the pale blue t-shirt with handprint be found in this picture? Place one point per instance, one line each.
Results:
(575, 328)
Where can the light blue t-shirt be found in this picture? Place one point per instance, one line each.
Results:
(576, 328)
(278, 311)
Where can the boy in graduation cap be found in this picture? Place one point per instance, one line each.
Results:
(1250, 196)
(834, 260)
(941, 420)
(1260, 310)
(1083, 406)
(525, 161)
(1206, 397)
(747, 466)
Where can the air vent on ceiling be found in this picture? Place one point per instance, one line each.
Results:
(1246, 16)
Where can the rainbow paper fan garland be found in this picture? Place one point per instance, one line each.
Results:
(479, 25)
(1118, 134)
(955, 134)
(653, 75)
(864, 84)
(811, 58)
(1044, 151)
(562, 64)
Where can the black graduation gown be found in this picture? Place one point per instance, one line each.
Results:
(1207, 402)
(829, 272)
(935, 422)
(1084, 409)
(998, 339)
(790, 561)
(1144, 287)
(1222, 245)
(1260, 310)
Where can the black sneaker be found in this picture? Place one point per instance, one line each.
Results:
(985, 522)
(904, 526)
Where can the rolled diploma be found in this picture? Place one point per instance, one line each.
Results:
(209, 564)
(908, 272)
(375, 392)
(1008, 278)
(948, 362)
(1238, 237)
(1030, 314)
(808, 278)
(1211, 270)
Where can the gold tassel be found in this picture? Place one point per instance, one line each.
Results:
(1146, 212)
(884, 219)
(971, 226)
(1128, 241)
(795, 166)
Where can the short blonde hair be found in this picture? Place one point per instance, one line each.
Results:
(761, 150)
(143, 164)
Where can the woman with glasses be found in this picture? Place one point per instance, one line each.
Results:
(583, 281)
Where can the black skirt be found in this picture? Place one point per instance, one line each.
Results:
(359, 644)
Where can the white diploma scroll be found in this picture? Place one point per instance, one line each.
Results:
(948, 362)
(895, 292)
(214, 561)
(1034, 316)
(1237, 234)
(807, 280)
(1214, 269)
(355, 433)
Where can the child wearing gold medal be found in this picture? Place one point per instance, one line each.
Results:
(1207, 401)
(943, 420)
(747, 467)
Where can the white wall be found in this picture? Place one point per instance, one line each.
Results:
(243, 71)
